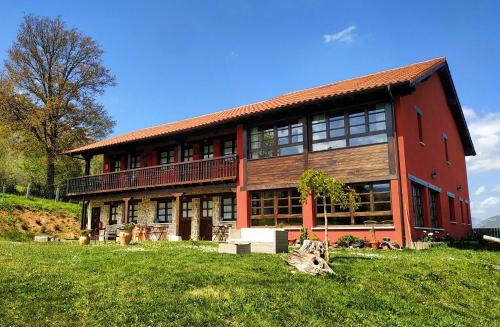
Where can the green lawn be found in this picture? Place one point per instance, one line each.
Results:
(10, 202)
(171, 284)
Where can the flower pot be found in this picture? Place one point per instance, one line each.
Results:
(84, 240)
(374, 245)
(125, 238)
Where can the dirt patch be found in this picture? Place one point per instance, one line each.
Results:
(39, 223)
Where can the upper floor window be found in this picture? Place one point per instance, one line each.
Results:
(229, 147)
(166, 157)
(332, 131)
(116, 164)
(208, 151)
(187, 154)
(420, 115)
(135, 161)
(278, 140)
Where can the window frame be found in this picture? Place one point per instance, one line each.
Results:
(187, 206)
(451, 208)
(116, 165)
(334, 210)
(133, 210)
(167, 159)
(446, 148)
(275, 148)
(348, 137)
(434, 212)
(113, 213)
(168, 217)
(190, 152)
(276, 216)
(233, 205)
(415, 203)
(233, 147)
(135, 161)
(207, 150)
(420, 125)
(208, 211)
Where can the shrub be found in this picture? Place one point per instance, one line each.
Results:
(84, 232)
(349, 240)
(128, 227)
(16, 235)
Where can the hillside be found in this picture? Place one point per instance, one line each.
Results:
(22, 218)
(492, 222)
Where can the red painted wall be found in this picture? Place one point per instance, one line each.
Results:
(421, 160)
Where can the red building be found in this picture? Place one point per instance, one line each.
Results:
(398, 137)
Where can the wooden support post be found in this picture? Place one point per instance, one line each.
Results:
(87, 165)
(125, 209)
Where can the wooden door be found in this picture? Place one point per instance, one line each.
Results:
(206, 220)
(96, 218)
(185, 220)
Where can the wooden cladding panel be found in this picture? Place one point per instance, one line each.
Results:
(279, 170)
(354, 164)
(364, 163)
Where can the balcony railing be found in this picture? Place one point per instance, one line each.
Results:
(192, 172)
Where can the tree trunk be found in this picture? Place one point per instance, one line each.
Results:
(308, 259)
(51, 172)
(327, 254)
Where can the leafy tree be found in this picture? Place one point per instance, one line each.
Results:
(322, 186)
(52, 78)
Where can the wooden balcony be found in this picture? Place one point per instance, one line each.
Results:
(182, 173)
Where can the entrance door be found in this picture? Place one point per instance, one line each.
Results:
(206, 220)
(185, 220)
(96, 218)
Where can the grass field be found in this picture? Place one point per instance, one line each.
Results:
(64, 284)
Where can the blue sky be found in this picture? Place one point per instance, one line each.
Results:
(178, 59)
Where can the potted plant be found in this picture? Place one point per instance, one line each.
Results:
(126, 235)
(373, 239)
(84, 237)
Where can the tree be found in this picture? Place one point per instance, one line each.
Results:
(321, 186)
(49, 88)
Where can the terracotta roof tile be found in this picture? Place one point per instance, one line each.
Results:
(409, 73)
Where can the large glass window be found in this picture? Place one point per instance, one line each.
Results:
(279, 140)
(166, 157)
(418, 212)
(275, 208)
(164, 211)
(333, 131)
(229, 208)
(374, 207)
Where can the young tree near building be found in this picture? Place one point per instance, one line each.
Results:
(321, 186)
(52, 78)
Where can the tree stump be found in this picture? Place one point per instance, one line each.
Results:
(309, 259)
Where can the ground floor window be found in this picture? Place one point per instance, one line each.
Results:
(418, 212)
(433, 206)
(276, 208)
(374, 207)
(164, 211)
(229, 208)
(113, 214)
(133, 209)
(451, 206)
